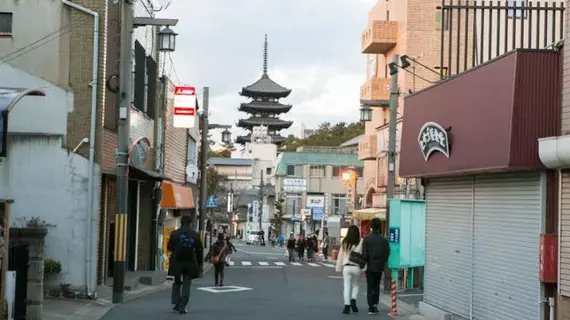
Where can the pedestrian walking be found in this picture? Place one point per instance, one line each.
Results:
(310, 246)
(231, 248)
(291, 247)
(350, 262)
(186, 257)
(217, 256)
(301, 248)
(375, 252)
(325, 246)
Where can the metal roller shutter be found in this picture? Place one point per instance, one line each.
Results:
(565, 235)
(448, 244)
(507, 225)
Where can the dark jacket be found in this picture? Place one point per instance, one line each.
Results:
(291, 244)
(375, 251)
(219, 248)
(177, 268)
(231, 246)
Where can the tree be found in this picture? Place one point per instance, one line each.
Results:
(278, 217)
(214, 181)
(327, 135)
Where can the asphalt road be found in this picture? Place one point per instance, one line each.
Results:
(274, 290)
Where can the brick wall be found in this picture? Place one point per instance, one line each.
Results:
(175, 145)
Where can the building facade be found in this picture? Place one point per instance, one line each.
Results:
(489, 199)
(309, 183)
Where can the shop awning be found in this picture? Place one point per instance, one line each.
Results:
(369, 214)
(175, 196)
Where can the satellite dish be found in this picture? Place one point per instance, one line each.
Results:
(192, 171)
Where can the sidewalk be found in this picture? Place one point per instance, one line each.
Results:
(69, 309)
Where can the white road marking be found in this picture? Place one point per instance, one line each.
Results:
(232, 263)
(328, 265)
(313, 264)
(224, 289)
(296, 263)
(258, 267)
(280, 263)
(263, 263)
(246, 263)
(335, 277)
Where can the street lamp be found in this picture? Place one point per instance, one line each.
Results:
(365, 113)
(226, 136)
(167, 40)
(366, 108)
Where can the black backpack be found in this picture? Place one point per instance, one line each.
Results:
(185, 251)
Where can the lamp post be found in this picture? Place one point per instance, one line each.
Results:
(204, 147)
(128, 23)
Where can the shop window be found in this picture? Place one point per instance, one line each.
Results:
(516, 12)
(268, 171)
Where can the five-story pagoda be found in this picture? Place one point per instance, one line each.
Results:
(264, 106)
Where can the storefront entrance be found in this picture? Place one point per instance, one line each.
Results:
(482, 246)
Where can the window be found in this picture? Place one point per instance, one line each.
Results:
(294, 171)
(139, 77)
(192, 151)
(317, 171)
(517, 10)
(5, 23)
(293, 204)
(268, 171)
(372, 66)
(339, 204)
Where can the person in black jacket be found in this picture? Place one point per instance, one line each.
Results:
(187, 253)
(375, 251)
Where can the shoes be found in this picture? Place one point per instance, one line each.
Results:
(221, 284)
(373, 310)
(346, 309)
(183, 311)
(176, 308)
(353, 305)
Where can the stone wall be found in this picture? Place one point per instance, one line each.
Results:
(34, 237)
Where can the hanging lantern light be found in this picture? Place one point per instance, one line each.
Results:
(167, 40)
(226, 136)
(365, 113)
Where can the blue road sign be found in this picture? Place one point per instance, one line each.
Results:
(211, 203)
(395, 235)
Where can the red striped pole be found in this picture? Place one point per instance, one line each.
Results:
(394, 312)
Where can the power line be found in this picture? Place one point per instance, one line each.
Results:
(36, 44)
(173, 69)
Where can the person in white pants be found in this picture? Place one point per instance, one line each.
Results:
(350, 262)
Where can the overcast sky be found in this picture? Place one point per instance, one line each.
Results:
(314, 49)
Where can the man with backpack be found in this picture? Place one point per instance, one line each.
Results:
(187, 255)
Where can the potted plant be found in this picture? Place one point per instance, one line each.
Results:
(52, 269)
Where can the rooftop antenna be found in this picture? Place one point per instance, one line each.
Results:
(265, 57)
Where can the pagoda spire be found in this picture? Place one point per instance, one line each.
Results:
(265, 57)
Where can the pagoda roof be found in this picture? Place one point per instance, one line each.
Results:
(267, 106)
(275, 139)
(271, 123)
(265, 87)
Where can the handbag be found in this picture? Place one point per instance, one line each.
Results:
(216, 259)
(357, 259)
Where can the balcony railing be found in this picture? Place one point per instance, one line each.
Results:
(367, 148)
(375, 89)
(379, 37)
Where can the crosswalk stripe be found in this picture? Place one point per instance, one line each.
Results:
(295, 263)
(280, 263)
(263, 263)
(313, 264)
(328, 265)
(246, 263)
(232, 263)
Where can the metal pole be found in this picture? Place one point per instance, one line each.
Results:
(211, 226)
(125, 76)
(203, 165)
(261, 200)
(394, 96)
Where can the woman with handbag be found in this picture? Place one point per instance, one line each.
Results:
(351, 263)
(217, 256)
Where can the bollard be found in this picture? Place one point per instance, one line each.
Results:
(394, 312)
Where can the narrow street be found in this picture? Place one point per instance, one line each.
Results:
(269, 288)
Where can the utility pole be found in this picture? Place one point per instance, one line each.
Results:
(125, 76)
(203, 166)
(394, 96)
(261, 199)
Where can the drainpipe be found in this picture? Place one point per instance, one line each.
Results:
(91, 172)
